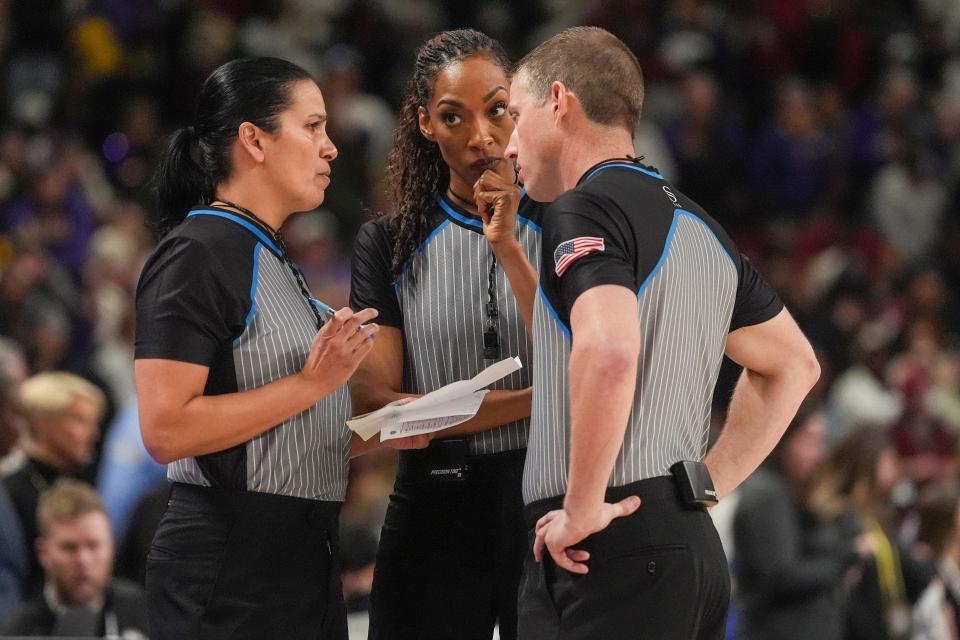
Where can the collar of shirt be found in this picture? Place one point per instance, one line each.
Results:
(629, 162)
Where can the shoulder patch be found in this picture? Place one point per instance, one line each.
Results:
(572, 250)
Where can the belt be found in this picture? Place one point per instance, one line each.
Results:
(650, 490)
(442, 455)
(319, 514)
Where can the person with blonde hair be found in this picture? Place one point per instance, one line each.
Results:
(62, 413)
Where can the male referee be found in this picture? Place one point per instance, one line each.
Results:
(641, 294)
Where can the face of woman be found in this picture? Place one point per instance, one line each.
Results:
(467, 118)
(299, 152)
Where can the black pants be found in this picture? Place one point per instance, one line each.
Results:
(237, 564)
(659, 574)
(451, 552)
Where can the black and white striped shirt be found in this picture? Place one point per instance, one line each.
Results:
(624, 225)
(441, 312)
(217, 292)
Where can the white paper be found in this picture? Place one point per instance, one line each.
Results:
(445, 407)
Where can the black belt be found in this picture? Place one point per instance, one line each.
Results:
(319, 514)
(650, 490)
(449, 460)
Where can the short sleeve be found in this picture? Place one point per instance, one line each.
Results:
(187, 310)
(756, 300)
(371, 276)
(586, 245)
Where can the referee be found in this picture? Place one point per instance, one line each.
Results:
(239, 391)
(445, 275)
(641, 294)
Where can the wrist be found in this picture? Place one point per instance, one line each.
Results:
(581, 508)
(507, 248)
(309, 389)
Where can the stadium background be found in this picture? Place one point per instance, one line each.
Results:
(824, 134)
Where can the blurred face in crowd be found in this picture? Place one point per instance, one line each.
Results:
(535, 144)
(298, 154)
(68, 438)
(887, 471)
(467, 118)
(77, 557)
(805, 449)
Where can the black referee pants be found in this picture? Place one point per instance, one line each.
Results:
(448, 566)
(658, 574)
(237, 564)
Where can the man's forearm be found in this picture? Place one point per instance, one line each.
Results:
(602, 384)
(760, 411)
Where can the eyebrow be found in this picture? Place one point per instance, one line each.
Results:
(494, 92)
(321, 116)
(456, 103)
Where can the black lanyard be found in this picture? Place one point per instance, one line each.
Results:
(491, 335)
(278, 238)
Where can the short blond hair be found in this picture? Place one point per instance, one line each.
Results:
(51, 393)
(66, 501)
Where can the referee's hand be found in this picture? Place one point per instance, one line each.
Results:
(340, 345)
(559, 530)
(497, 201)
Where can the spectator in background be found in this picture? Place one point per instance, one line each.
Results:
(362, 124)
(938, 539)
(792, 164)
(854, 490)
(789, 564)
(709, 148)
(127, 472)
(908, 202)
(13, 371)
(13, 557)
(76, 550)
(860, 394)
(62, 416)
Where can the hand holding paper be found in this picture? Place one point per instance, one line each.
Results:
(445, 407)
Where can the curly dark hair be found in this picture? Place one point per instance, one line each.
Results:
(416, 171)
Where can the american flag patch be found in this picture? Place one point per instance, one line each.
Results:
(570, 251)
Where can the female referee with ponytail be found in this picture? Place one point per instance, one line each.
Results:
(442, 271)
(240, 377)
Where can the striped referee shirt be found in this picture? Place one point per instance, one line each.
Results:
(216, 292)
(624, 225)
(441, 311)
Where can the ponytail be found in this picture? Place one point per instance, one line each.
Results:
(181, 182)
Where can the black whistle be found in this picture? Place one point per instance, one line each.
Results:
(491, 344)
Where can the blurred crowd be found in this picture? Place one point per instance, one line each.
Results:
(824, 135)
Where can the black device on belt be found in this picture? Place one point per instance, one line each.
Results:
(694, 483)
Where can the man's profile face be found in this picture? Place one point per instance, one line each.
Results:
(77, 557)
(532, 146)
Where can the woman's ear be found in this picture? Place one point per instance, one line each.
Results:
(426, 127)
(249, 138)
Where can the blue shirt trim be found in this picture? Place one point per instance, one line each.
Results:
(243, 223)
(669, 243)
(253, 291)
(459, 216)
(553, 313)
(423, 247)
(530, 223)
(624, 165)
